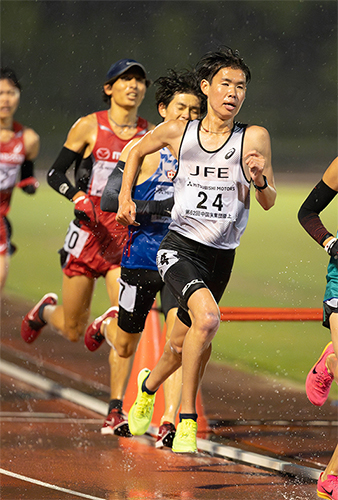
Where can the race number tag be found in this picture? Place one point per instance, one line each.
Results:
(75, 240)
(127, 295)
(8, 175)
(211, 200)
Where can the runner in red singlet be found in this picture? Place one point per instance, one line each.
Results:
(94, 241)
(19, 146)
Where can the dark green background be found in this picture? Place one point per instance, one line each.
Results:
(61, 51)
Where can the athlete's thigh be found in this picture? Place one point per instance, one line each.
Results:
(113, 286)
(77, 293)
(4, 264)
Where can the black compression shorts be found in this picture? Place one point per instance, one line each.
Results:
(186, 266)
(138, 289)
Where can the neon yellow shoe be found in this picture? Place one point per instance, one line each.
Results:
(185, 437)
(140, 414)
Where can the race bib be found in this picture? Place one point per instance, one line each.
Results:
(8, 175)
(75, 240)
(210, 200)
(101, 172)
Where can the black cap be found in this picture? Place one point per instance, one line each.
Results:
(121, 67)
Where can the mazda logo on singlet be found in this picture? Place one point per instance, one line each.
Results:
(17, 149)
(103, 154)
(171, 174)
(230, 153)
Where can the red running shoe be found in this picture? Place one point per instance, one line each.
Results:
(329, 488)
(93, 337)
(319, 380)
(165, 435)
(116, 423)
(32, 325)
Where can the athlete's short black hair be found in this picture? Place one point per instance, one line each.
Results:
(9, 74)
(185, 82)
(210, 64)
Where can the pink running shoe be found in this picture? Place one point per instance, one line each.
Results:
(329, 488)
(319, 380)
(117, 424)
(93, 337)
(165, 435)
(32, 325)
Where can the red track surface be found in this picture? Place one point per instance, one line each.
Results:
(47, 439)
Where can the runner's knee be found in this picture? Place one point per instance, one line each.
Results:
(207, 324)
(126, 346)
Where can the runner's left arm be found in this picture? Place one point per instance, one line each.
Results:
(28, 183)
(319, 198)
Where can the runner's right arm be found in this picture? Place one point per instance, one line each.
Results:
(79, 138)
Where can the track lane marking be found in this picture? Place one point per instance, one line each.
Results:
(48, 485)
(214, 449)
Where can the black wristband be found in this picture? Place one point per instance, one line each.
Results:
(27, 169)
(260, 188)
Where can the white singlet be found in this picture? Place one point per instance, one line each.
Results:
(212, 194)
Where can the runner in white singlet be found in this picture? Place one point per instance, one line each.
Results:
(195, 258)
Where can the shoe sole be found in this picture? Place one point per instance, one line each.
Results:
(166, 442)
(186, 450)
(323, 495)
(121, 431)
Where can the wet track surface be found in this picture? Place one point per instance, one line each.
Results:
(52, 448)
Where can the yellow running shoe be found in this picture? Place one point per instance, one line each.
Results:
(140, 414)
(185, 437)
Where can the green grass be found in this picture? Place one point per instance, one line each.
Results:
(277, 265)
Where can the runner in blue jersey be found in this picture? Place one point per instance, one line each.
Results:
(178, 97)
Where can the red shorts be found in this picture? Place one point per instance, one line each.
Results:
(93, 254)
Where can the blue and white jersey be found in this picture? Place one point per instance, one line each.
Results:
(144, 240)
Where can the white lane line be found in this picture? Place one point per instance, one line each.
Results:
(41, 420)
(52, 387)
(213, 448)
(47, 485)
(29, 414)
(248, 457)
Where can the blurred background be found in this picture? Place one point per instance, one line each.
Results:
(61, 51)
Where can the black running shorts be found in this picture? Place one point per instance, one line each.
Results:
(186, 265)
(138, 289)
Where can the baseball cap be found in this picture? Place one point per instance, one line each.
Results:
(121, 67)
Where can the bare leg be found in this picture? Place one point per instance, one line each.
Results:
(70, 319)
(332, 468)
(173, 385)
(332, 362)
(332, 365)
(4, 265)
(194, 343)
(120, 369)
